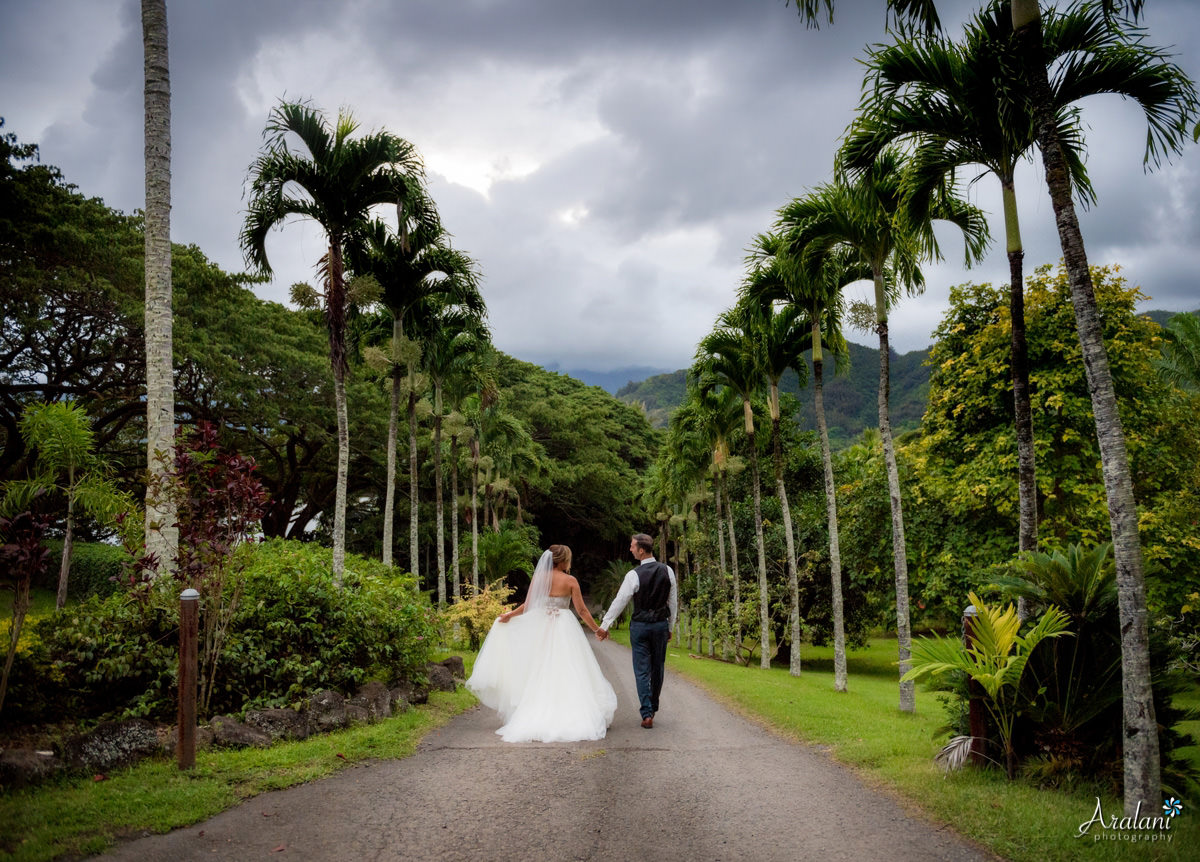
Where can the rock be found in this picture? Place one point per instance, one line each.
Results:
(279, 723)
(204, 739)
(326, 712)
(375, 698)
(20, 767)
(440, 678)
(455, 665)
(231, 733)
(356, 713)
(114, 743)
(411, 693)
(399, 700)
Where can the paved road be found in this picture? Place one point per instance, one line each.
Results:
(704, 785)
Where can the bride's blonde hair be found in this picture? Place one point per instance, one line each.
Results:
(561, 555)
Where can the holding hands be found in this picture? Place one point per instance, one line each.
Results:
(601, 634)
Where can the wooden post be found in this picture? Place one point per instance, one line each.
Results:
(976, 714)
(185, 748)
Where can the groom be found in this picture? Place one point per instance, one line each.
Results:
(655, 605)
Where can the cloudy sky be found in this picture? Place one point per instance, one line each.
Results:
(606, 163)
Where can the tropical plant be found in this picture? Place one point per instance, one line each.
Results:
(1180, 363)
(66, 463)
(476, 612)
(340, 179)
(995, 657)
(161, 534)
(875, 216)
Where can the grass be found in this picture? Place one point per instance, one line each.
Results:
(80, 816)
(864, 729)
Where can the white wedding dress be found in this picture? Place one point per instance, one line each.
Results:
(538, 671)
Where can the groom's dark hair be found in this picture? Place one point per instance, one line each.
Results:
(645, 542)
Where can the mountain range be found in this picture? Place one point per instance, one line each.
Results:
(851, 394)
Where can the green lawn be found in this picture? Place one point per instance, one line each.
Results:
(80, 816)
(865, 729)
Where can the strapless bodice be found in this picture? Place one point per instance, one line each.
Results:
(558, 602)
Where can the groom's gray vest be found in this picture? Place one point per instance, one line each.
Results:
(654, 588)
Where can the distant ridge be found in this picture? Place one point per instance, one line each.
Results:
(851, 399)
(609, 381)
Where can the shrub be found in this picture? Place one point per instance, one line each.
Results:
(293, 633)
(96, 569)
(473, 616)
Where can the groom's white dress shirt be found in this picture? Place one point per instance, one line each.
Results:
(629, 586)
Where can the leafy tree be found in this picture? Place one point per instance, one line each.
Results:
(341, 178)
(24, 557)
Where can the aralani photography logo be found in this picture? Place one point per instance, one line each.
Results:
(1135, 827)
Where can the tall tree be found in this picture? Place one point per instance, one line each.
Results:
(729, 356)
(781, 337)
(960, 105)
(452, 337)
(1142, 778)
(339, 178)
(162, 534)
(873, 215)
(812, 285)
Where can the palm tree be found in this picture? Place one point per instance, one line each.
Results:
(782, 336)
(729, 356)
(340, 179)
(1142, 780)
(451, 336)
(873, 215)
(958, 105)
(460, 387)
(813, 287)
(162, 534)
(1180, 363)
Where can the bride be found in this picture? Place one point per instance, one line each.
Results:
(536, 667)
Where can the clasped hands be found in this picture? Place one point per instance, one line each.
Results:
(601, 634)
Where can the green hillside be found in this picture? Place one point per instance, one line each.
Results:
(851, 395)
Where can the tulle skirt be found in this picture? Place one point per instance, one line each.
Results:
(538, 671)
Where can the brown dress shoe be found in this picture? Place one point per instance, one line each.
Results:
(648, 722)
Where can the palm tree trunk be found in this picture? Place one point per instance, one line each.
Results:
(1022, 411)
(835, 553)
(1142, 775)
(899, 553)
(335, 315)
(764, 621)
(475, 515)
(737, 578)
(437, 481)
(454, 574)
(413, 553)
(789, 539)
(389, 498)
(64, 568)
(162, 534)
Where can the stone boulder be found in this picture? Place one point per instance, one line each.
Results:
(113, 743)
(326, 711)
(398, 700)
(440, 678)
(455, 665)
(231, 733)
(411, 693)
(375, 698)
(204, 739)
(20, 767)
(279, 723)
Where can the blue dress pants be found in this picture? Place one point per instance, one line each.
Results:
(649, 644)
